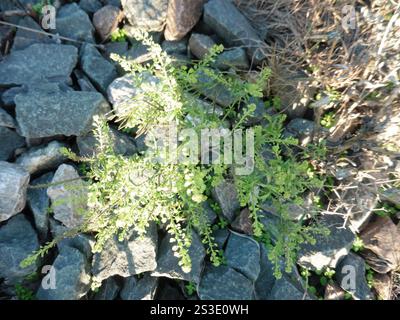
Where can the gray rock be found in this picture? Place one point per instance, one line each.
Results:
(24, 38)
(175, 47)
(391, 194)
(68, 195)
(9, 142)
(233, 27)
(131, 30)
(243, 222)
(90, 6)
(72, 277)
(351, 277)
(301, 129)
(200, 44)
(149, 15)
(328, 250)
(108, 291)
(243, 254)
(168, 264)
(97, 68)
(38, 111)
(235, 58)
(138, 53)
(37, 62)
(286, 288)
(42, 158)
(266, 279)
(139, 289)
(74, 23)
(17, 241)
(224, 283)
(106, 20)
(122, 144)
(220, 237)
(9, 95)
(226, 196)
(119, 48)
(126, 258)
(39, 203)
(6, 120)
(115, 3)
(13, 185)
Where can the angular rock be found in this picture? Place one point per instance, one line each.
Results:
(301, 129)
(243, 254)
(13, 185)
(224, 283)
(90, 6)
(108, 291)
(17, 241)
(132, 256)
(9, 142)
(6, 120)
(235, 58)
(38, 111)
(226, 196)
(148, 15)
(220, 237)
(233, 27)
(381, 245)
(286, 288)
(168, 264)
(139, 289)
(328, 250)
(74, 23)
(8, 96)
(350, 274)
(39, 203)
(392, 195)
(122, 144)
(175, 47)
(72, 276)
(182, 16)
(68, 195)
(266, 279)
(334, 292)
(200, 45)
(106, 20)
(243, 222)
(37, 62)
(42, 158)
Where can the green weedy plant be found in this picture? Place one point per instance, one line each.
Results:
(131, 192)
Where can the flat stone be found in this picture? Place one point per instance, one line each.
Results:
(243, 254)
(68, 195)
(200, 45)
(168, 264)
(72, 276)
(53, 62)
(108, 291)
(182, 16)
(38, 111)
(99, 70)
(13, 185)
(129, 257)
(328, 250)
(139, 289)
(42, 158)
(39, 203)
(6, 120)
(226, 196)
(74, 23)
(106, 20)
(235, 58)
(224, 283)
(231, 26)
(148, 15)
(350, 274)
(10, 141)
(381, 249)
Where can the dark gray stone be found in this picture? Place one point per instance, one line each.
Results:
(38, 62)
(168, 264)
(74, 23)
(138, 53)
(301, 129)
(126, 258)
(17, 241)
(328, 250)
(6, 120)
(220, 237)
(233, 27)
(175, 47)
(243, 254)
(108, 291)
(351, 277)
(139, 289)
(42, 158)
(224, 283)
(149, 15)
(286, 288)
(38, 111)
(90, 6)
(9, 95)
(72, 277)
(235, 58)
(97, 68)
(39, 203)
(266, 279)
(226, 196)
(200, 45)
(9, 142)
(13, 185)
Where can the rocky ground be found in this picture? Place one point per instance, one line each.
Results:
(51, 88)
